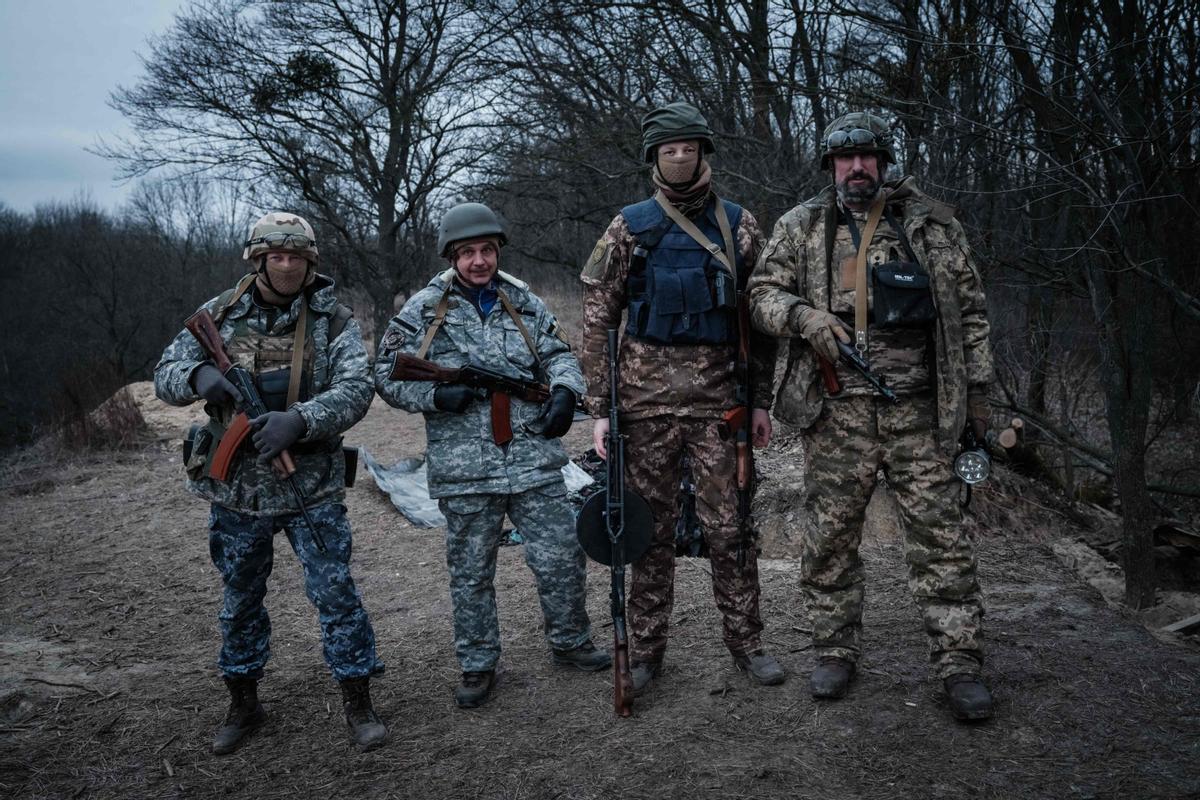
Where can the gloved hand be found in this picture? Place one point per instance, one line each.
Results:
(276, 431)
(820, 328)
(557, 413)
(454, 397)
(209, 383)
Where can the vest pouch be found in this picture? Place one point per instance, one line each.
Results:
(901, 296)
(198, 445)
(723, 291)
(273, 386)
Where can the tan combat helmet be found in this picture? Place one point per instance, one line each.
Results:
(281, 230)
(857, 132)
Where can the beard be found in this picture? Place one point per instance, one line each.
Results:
(859, 195)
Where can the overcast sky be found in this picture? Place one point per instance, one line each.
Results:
(59, 60)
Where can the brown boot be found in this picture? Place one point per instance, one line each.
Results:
(244, 716)
(367, 730)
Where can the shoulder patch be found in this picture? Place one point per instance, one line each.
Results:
(597, 266)
(393, 340)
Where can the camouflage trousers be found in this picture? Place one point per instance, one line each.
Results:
(653, 458)
(474, 525)
(851, 440)
(242, 549)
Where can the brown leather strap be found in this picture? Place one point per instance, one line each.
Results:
(230, 300)
(293, 393)
(439, 316)
(512, 312)
(727, 235)
(502, 432)
(689, 227)
(860, 283)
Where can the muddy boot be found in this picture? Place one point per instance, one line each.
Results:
(969, 698)
(475, 688)
(244, 716)
(831, 678)
(586, 657)
(762, 667)
(367, 730)
(642, 672)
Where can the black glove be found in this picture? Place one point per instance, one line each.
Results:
(557, 413)
(276, 431)
(210, 384)
(454, 397)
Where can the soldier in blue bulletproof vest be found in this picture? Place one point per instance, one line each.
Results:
(478, 469)
(283, 306)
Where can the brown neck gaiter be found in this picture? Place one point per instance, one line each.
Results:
(691, 199)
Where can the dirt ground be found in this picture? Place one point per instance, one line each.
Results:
(108, 685)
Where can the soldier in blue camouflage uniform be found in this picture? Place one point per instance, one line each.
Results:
(473, 313)
(284, 305)
(930, 343)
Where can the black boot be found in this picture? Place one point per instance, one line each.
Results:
(969, 698)
(367, 730)
(831, 678)
(475, 688)
(244, 716)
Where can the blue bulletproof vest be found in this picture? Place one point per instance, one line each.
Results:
(677, 292)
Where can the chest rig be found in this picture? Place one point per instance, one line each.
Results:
(678, 291)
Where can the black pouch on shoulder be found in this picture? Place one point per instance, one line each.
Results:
(901, 295)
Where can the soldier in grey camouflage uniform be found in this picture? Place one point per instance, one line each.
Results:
(937, 359)
(258, 321)
(677, 380)
(473, 313)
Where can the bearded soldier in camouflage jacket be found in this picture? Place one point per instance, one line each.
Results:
(482, 466)
(921, 324)
(282, 307)
(676, 365)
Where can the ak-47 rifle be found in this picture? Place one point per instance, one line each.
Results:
(202, 326)
(410, 368)
(615, 527)
(737, 423)
(854, 359)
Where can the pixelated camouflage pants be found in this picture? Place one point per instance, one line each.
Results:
(849, 442)
(653, 453)
(474, 525)
(242, 549)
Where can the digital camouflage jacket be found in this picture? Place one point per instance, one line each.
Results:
(461, 456)
(791, 274)
(336, 395)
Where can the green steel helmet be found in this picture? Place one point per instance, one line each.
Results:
(675, 122)
(857, 132)
(468, 221)
(281, 230)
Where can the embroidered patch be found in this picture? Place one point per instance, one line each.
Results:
(596, 268)
(393, 340)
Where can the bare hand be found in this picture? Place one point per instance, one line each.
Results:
(600, 436)
(760, 426)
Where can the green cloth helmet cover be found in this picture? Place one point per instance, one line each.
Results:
(880, 142)
(468, 221)
(675, 122)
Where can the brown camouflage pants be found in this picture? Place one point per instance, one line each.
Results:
(653, 452)
(848, 443)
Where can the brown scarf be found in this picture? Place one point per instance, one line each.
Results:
(692, 200)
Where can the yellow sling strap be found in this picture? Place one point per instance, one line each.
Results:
(512, 312)
(293, 393)
(439, 316)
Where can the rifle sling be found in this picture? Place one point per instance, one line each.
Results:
(860, 283)
(726, 259)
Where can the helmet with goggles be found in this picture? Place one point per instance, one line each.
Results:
(857, 132)
(280, 230)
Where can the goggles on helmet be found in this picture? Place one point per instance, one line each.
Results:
(283, 241)
(854, 137)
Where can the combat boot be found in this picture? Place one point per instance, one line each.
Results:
(642, 672)
(831, 678)
(244, 716)
(367, 730)
(475, 688)
(969, 699)
(762, 667)
(586, 657)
